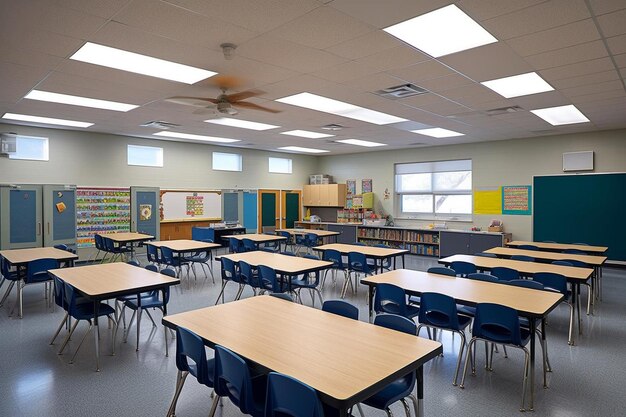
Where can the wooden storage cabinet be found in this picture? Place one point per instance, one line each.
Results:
(324, 195)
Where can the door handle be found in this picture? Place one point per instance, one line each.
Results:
(48, 227)
(38, 228)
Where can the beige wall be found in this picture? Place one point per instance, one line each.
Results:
(95, 159)
(511, 162)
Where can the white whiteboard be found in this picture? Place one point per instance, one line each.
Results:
(190, 205)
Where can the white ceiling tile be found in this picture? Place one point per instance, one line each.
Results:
(368, 44)
(345, 72)
(589, 98)
(473, 94)
(445, 83)
(322, 28)
(435, 104)
(28, 58)
(398, 57)
(620, 60)
(488, 62)
(557, 38)
(613, 24)
(598, 77)
(425, 70)
(578, 69)
(41, 41)
(541, 100)
(102, 8)
(543, 16)
(388, 13)
(374, 82)
(570, 55)
(487, 9)
(617, 44)
(600, 7)
(593, 88)
(18, 80)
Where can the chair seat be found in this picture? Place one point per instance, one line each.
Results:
(150, 301)
(84, 311)
(38, 277)
(411, 310)
(210, 363)
(524, 333)
(393, 392)
(302, 283)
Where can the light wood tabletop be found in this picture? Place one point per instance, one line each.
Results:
(106, 280)
(370, 251)
(256, 237)
(22, 256)
(548, 256)
(528, 302)
(126, 237)
(559, 246)
(343, 359)
(525, 268)
(290, 265)
(185, 245)
(319, 233)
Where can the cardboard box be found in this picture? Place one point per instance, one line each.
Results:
(495, 228)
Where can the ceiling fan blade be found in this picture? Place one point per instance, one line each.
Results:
(226, 82)
(252, 106)
(244, 95)
(192, 101)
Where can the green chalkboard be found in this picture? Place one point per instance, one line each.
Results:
(268, 209)
(582, 209)
(292, 207)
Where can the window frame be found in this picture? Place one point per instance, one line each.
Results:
(269, 167)
(161, 151)
(433, 168)
(239, 157)
(45, 149)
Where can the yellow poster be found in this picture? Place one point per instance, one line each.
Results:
(488, 201)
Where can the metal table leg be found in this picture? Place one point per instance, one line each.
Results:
(96, 332)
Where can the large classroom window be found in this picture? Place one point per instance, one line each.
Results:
(146, 156)
(279, 165)
(227, 161)
(32, 148)
(434, 190)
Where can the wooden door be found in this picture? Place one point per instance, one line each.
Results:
(269, 209)
(291, 208)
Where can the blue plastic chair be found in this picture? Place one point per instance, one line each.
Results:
(334, 256)
(99, 244)
(526, 283)
(341, 308)
(286, 396)
(287, 253)
(463, 268)
(574, 251)
(288, 239)
(269, 280)
(229, 274)
(133, 262)
(190, 346)
(528, 247)
(439, 312)
(357, 264)
(202, 258)
(306, 282)
(282, 296)
(441, 270)
(523, 258)
(391, 299)
(386, 262)
(152, 253)
(249, 277)
(119, 301)
(176, 262)
(401, 388)
(481, 276)
(234, 381)
(505, 274)
(310, 241)
(249, 245)
(498, 324)
(83, 312)
(8, 275)
(115, 251)
(558, 283)
(36, 273)
(486, 255)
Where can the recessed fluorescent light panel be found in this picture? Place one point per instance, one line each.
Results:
(203, 138)
(306, 134)
(45, 120)
(562, 115)
(518, 85)
(140, 64)
(244, 124)
(339, 108)
(359, 142)
(442, 32)
(437, 132)
(79, 101)
(299, 149)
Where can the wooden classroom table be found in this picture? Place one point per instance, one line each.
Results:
(558, 247)
(344, 360)
(185, 245)
(19, 258)
(285, 265)
(322, 234)
(256, 237)
(591, 260)
(123, 238)
(378, 254)
(111, 280)
(531, 303)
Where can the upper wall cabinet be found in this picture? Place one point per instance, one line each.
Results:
(324, 195)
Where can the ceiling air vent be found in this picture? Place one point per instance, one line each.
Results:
(401, 91)
(503, 110)
(159, 124)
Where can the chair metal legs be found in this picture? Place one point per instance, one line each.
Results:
(63, 323)
(180, 381)
(461, 348)
(7, 293)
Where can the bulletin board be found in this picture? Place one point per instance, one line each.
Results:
(181, 205)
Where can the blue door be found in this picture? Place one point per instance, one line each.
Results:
(59, 209)
(21, 217)
(144, 208)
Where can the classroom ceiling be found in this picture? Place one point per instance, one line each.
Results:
(333, 48)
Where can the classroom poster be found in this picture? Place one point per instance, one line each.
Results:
(195, 205)
(366, 186)
(516, 199)
(488, 201)
(351, 187)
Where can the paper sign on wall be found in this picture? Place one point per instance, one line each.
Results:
(488, 201)
(516, 199)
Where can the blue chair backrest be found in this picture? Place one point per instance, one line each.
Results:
(286, 396)
(246, 273)
(168, 255)
(38, 269)
(152, 268)
(108, 243)
(70, 299)
(59, 293)
(286, 235)
(396, 322)
(441, 270)
(562, 263)
(133, 262)
(341, 308)
(463, 268)
(535, 285)
(232, 379)
(576, 263)
(152, 253)
(61, 246)
(229, 271)
(358, 262)
(528, 247)
(497, 323)
(505, 274)
(391, 299)
(267, 275)
(438, 310)
(481, 276)
(311, 239)
(235, 245)
(6, 270)
(574, 251)
(334, 256)
(523, 258)
(311, 256)
(249, 245)
(169, 272)
(190, 345)
(99, 242)
(552, 281)
(282, 296)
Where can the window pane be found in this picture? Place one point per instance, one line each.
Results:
(145, 156)
(414, 182)
(226, 161)
(417, 203)
(280, 165)
(453, 204)
(29, 147)
(452, 181)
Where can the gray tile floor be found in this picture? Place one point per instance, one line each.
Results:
(588, 379)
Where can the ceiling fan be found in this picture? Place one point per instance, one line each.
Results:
(224, 103)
